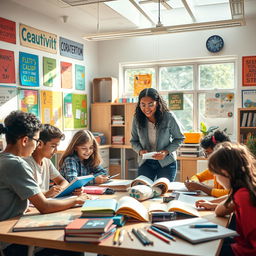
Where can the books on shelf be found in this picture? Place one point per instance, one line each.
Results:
(244, 119)
(118, 139)
(254, 120)
(190, 150)
(118, 185)
(78, 182)
(126, 205)
(184, 229)
(44, 221)
(83, 226)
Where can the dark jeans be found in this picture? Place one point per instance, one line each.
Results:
(152, 169)
(22, 250)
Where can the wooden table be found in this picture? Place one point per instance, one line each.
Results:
(55, 239)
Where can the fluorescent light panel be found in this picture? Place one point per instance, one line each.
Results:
(164, 30)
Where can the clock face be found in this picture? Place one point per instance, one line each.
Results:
(214, 43)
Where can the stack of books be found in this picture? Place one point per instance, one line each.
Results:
(190, 150)
(118, 139)
(89, 230)
(118, 120)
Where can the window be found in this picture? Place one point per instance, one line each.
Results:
(195, 80)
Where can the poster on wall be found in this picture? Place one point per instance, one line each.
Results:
(141, 82)
(7, 31)
(51, 108)
(66, 75)
(249, 71)
(29, 101)
(175, 101)
(71, 49)
(249, 98)
(219, 105)
(38, 39)
(80, 77)
(7, 67)
(29, 71)
(75, 111)
(49, 71)
(8, 101)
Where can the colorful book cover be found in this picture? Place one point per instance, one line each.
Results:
(80, 77)
(66, 75)
(7, 67)
(49, 69)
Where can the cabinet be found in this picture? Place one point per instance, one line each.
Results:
(101, 121)
(246, 124)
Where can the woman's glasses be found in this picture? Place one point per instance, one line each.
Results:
(36, 140)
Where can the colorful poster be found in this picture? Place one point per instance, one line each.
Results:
(38, 39)
(29, 101)
(176, 101)
(66, 75)
(80, 77)
(49, 70)
(141, 82)
(8, 101)
(29, 71)
(71, 49)
(7, 31)
(249, 71)
(248, 98)
(75, 111)
(7, 67)
(219, 105)
(51, 108)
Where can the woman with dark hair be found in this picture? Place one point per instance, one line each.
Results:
(155, 129)
(196, 182)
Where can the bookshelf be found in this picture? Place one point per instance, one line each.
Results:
(246, 124)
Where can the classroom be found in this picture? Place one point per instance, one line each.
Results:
(81, 65)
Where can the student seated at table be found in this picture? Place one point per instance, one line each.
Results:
(44, 170)
(18, 186)
(235, 169)
(196, 182)
(82, 157)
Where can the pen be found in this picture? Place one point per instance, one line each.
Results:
(163, 233)
(204, 226)
(145, 237)
(209, 229)
(121, 237)
(116, 236)
(130, 235)
(113, 176)
(135, 232)
(154, 233)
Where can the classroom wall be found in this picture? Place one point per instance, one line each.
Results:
(19, 14)
(239, 41)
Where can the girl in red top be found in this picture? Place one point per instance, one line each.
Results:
(235, 169)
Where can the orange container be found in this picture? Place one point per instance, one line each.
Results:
(192, 137)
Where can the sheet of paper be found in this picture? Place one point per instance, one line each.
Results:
(148, 155)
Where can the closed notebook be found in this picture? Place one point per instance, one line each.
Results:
(96, 190)
(199, 235)
(81, 225)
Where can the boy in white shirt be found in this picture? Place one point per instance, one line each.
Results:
(44, 170)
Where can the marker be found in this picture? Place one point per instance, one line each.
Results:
(163, 233)
(141, 239)
(204, 226)
(116, 236)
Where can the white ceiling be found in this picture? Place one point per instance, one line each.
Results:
(119, 15)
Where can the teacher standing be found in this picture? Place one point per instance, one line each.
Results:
(155, 129)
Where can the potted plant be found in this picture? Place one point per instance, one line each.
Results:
(251, 143)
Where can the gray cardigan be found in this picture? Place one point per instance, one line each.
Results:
(168, 137)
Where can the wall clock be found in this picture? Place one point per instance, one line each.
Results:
(214, 43)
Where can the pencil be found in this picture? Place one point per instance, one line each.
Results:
(154, 233)
(121, 237)
(116, 236)
(135, 232)
(146, 238)
(130, 235)
(163, 233)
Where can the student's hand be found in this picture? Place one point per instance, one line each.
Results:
(54, 190)
(78, 192)
(160, 155)
(82, 198)
(101, 179)
(192, 185)
(207, 205)
(143, 151)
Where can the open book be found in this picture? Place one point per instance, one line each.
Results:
(174, 206)
(78, 182)
(108, 207)
(118, 185)
(183, 229)
(162, 183)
